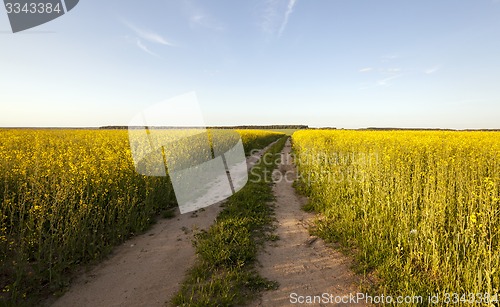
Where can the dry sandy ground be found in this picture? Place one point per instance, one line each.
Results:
(300, 263)
(146, 270)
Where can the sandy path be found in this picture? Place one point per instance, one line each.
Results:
(146, 270)
(300, 263)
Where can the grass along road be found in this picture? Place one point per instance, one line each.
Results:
(146, 270)
(300, 263)
(224, 273)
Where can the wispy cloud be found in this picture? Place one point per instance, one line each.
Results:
(387, 81)
(384, 75)
(432, 70)
(145, 48)
(148, 35)
(212, 73)
(381, 77)
(205, 21)
(288, 12)
(276, 16)
(269, 16)
(366, 69)
(390, 57)
(142, 36)
(198, 17)
(393, 70)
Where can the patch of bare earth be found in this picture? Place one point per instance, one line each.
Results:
(302, 264)
(146, 270)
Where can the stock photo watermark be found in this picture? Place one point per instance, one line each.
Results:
(171, 139)
(353, 298)
(207, 166)
(365, 298)
(333, 168)
(27, 14)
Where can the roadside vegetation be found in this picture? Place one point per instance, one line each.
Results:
(224, 274)
(420, 209)
(257, 139)
(67, 197)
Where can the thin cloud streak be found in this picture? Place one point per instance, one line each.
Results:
(389, 57)
(269, 17)
(198, 17)
(385, 82)
(289, 11)
(393, 70)
(366, 69)
(206, 22)
(145, 48)
(148, 35)
(276, 16)
(432, 70)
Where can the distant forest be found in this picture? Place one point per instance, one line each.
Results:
(265, 127)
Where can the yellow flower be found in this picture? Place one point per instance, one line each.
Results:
(473, 218)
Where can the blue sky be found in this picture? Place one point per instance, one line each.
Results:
(340, 63)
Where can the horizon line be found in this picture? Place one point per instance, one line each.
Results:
(291, 126)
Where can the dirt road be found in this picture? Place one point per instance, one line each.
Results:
(303, 265)
(146, 270)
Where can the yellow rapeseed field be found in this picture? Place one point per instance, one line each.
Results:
(68, 196)
(421, 208)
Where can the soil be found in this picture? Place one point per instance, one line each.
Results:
(302, 264)
(148, 269)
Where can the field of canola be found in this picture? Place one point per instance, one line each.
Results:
(420, 208)
(68, 196)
